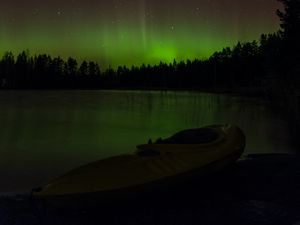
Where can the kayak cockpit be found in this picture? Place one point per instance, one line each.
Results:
(191, 136)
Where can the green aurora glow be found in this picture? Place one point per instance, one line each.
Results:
(135, 34)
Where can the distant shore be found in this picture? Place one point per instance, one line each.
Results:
(243, 91)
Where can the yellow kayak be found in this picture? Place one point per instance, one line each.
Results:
(170, 160)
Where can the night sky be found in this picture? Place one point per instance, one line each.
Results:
(118, 32)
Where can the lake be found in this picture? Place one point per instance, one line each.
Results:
(46, 133)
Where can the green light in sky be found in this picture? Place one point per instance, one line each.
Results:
(130, 37)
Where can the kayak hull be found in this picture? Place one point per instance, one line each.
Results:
(159, 187)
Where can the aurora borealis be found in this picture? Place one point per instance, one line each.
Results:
(126, 32)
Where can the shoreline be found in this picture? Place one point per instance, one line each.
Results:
(246, 91)
(259, 189)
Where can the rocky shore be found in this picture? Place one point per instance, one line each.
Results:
(259, 189)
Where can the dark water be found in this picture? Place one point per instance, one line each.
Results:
(46, 133)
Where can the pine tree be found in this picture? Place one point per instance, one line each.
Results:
(290, 32)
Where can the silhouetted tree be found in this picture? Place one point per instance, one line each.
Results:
(71, 66)
(23, 69)
(93, 69)
(83, 69)
(56, 73)
(56, 66)
(290, 20)
(7, 70)
(290, 25)
(41, 74)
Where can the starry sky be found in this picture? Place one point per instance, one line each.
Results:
(126, 32)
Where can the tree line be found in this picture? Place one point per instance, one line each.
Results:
(43, 71)
(271, 62)
(242, 65)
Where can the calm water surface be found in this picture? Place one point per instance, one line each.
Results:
(46, 133)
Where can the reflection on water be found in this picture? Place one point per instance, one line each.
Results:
(45, 133)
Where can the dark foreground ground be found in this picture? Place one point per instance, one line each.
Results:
(261, 189)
